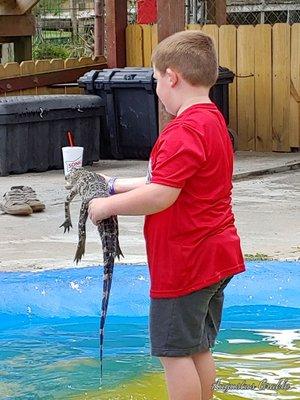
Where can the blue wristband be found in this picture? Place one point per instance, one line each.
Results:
(111, 185)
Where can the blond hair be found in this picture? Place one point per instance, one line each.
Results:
(191, 53)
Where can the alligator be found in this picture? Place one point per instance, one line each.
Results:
(89, 185)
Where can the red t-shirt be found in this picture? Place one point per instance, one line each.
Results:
(193, 243)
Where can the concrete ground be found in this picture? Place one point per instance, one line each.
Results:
(267, 210)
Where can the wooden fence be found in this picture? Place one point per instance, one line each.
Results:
(37, 76)
(265, 95)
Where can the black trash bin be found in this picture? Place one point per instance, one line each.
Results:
(131, 110)
(130, 127)
(219, 92)
(33, 130)
(87, 82)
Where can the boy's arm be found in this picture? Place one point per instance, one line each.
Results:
(122, 185)
(144, 200)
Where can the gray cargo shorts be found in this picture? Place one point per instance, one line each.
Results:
(185, 325)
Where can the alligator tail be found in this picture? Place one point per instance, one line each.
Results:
(107, 280)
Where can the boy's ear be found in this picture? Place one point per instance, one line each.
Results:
(172, 76)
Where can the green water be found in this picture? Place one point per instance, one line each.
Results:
(256, 358)
(244, 356)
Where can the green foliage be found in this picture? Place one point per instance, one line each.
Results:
(53, 42)
(62, 47)
(46, 50)
(48, 6)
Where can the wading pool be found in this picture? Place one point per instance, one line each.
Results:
(49, 340)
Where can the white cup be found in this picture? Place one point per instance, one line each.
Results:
(72, 156)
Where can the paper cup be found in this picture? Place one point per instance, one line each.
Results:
(72, 156)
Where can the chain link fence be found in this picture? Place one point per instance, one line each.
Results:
(64, 29)
(263, 12)
(238, 12)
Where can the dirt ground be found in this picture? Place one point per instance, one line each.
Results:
(267, 210)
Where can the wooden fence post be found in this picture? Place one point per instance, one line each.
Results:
(99, 31)
(170, 19)
(217, 13)
(116, 22)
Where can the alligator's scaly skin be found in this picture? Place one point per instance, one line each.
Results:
(89, 185)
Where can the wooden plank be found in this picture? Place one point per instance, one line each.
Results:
(194, 27)
(8, 7)
(147, 44)
(227, 58)
(46, 78)
(154, 37)
(86, 61)
(134, 46)
(263, 87)
(6, 39)
(295, 87)
(281, 86)
(72, 63)
(42, 66)
(28, 68)
(56, 64)
(22, 25)
(26, 5)
(16, 7)
(245, 87)
(116, 22)
(213, 32)
(12, 69)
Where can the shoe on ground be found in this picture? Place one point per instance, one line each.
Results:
(14, 203)
(31, 198)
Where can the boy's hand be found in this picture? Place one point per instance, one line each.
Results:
(98, 210)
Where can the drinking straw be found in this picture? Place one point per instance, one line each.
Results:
(70, 137)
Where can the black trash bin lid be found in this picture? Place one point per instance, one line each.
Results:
(88, 78)
(128, 75)
(32, 104)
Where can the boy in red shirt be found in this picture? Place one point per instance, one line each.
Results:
(193, 248)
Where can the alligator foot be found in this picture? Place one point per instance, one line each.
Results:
(67, 225)
(79, 252)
